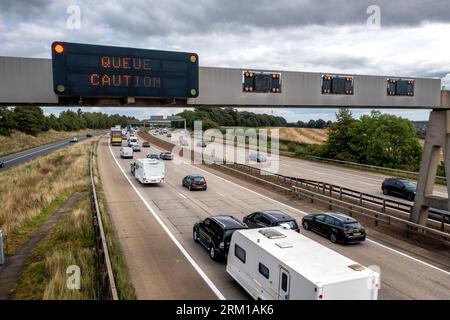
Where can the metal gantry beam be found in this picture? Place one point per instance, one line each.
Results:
(28, 81)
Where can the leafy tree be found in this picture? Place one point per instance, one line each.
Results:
(30, 120)
(7, 122)
(339, 137)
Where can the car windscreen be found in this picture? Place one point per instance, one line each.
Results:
(409, 184)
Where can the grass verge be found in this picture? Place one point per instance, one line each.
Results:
(70, 242)
(31, 192)
(19, 141)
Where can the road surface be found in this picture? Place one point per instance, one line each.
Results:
(404, 273)
(23, 156)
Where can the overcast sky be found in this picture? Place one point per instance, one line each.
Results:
(325, 36)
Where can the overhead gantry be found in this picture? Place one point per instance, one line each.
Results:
(28, 81)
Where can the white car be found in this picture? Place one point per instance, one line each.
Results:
(74, 139)
(126, 152)
(136, 147)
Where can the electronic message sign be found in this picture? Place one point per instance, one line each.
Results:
(82, 70)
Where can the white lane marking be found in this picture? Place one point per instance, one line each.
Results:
(304, 213)
(182, 195)
(407, 256)
(220, 194)
(178, 244)
(28, 154)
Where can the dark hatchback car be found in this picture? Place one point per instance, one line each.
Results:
(270, 218)
(215, 232)
(337, 227)
(195, 182)
(89, 135)
(145, 144)
(403, 188)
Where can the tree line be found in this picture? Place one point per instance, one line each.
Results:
(314, 124)
(376, 139)
(218, 117)
(32, 120)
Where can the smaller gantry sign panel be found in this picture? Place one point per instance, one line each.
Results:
(400, 87)
(261, 82)
(333, 84)
(82, 70)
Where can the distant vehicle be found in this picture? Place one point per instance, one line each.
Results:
(148, 171)
(201, 144)
(166, 155)
(337, 227)
(270, 218)
(279, 264)
(169, 135)
(74, 139)
(88, 135)
(126, 152)
(195, 182)
(146, 144)
(115, 136)
(153, 156)
(403, 188)
(156, 132)
(257, 157)
(215, 233)
(136, 147)
(2, 164)
(164, 130)
(132, 140)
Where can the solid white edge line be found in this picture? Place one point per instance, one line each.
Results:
(304, 213)
(178, 244)
(29, 154)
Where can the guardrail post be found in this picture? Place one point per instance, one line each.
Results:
(2, 255)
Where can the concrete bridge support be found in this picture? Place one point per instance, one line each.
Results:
(437, 138)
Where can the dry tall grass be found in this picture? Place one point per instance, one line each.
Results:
(26, 190)
(19, 141)
(70, 242)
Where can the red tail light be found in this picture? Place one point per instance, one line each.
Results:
(320, 296)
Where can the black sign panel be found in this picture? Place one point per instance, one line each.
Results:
(81, 70)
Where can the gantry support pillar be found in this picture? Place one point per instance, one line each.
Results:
(437, 138)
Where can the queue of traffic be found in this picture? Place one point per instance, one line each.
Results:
(265, 252)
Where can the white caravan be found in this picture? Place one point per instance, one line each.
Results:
(148, 171)
(280, 264)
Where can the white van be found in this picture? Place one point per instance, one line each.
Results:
(132, 140)
(126, 152)
(280, 264)
(148, 171)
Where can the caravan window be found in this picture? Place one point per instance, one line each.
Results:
(284, 281)
(264, 270)
(239, 253)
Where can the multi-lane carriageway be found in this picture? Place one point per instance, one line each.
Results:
(154, 225)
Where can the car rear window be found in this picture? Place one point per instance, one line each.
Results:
(353, 224)
(199, 179)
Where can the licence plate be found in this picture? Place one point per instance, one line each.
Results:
(357, 234)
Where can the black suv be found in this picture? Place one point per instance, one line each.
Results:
(337, 227)
(215, 232)
(403, 188)
(270, 218)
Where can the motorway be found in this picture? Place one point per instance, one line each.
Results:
(29, 154)
(146, 217)
(354, 179)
